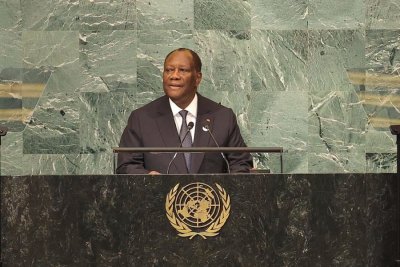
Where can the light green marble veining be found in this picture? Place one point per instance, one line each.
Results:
(10, 15)
(326, 14)
(165, 15)
(110, 57)
(279, 60)
(331, 53)
(319, 78)
(279, 15)
(222, 15)
(50, 15)
(107, 15)
(382, 14)
(103, 117)
(10, 49)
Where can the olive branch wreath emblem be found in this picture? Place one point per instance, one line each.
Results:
(186, 231)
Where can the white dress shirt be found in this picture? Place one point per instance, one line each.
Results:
(191, 116)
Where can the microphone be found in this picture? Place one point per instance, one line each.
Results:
(206, 128)
(190, 126)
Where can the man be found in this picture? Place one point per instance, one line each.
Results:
(165, 123)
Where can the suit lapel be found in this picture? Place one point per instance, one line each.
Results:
(167, 128)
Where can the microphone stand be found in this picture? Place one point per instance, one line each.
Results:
(207, 127)
(189, 126)
(3, 132)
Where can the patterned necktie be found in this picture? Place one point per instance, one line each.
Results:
(186, 139)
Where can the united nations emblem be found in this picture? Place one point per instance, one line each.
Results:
(197, 209)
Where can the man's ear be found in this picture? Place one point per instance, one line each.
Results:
(199, 75)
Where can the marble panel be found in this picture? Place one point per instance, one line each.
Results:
(382, 14)
(12, 161)
(383, 108)
(97, 163)
(382, 216)
(279, 15)
(53, 127)
(381, 99)
(288, 209)
(331, 54)
(280, 120)
(164, 15)
(336, 162)
(345, 55)
(275, 220)
(226, 75)
(153, 47)
(226, 57)
(15, 162)
(50, 15)
(382, 79)
(59, 164)
(336, 123)
(102, 120)
(107, 15)
(378, 141)
(108, 57)
(49, 216)
(381, 162)
(10, 80)
(383, 60)
(326, 14)
(97, 84)
(279, 60)
(20, 89)
(10, 50)
(49, 48)
(222, 15)
(10, 15)
(337, 228)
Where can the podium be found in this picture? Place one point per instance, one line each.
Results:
(274, 220)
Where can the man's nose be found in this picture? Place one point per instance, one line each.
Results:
(175, 74)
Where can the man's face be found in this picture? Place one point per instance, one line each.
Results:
(180, 79)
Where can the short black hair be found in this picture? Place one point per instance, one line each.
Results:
(195, 56)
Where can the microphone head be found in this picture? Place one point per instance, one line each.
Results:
(190, 125)
(206, 125)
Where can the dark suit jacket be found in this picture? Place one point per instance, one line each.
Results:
(153, 125)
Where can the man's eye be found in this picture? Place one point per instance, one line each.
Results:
(184, 70)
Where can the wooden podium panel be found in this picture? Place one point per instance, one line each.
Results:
(274, 220)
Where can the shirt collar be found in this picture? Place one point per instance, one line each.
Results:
(192, 108)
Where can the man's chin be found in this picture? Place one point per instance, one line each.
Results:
(173, 97)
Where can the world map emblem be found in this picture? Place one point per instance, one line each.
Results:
(197, 209)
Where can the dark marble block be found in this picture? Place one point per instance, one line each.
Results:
(275, 220)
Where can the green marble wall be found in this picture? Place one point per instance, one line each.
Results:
(319, 78)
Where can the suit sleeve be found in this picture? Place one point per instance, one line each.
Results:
(238, 162)
(131, 163)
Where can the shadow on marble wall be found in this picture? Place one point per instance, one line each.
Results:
(320, 79)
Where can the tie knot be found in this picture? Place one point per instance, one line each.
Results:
(183, 113)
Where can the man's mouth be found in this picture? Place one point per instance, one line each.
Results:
(175, 85)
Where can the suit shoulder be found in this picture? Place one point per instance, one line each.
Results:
(152, 107)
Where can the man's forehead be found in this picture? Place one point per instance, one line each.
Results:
(186, 54)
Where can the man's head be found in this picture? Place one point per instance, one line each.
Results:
(181, 76)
